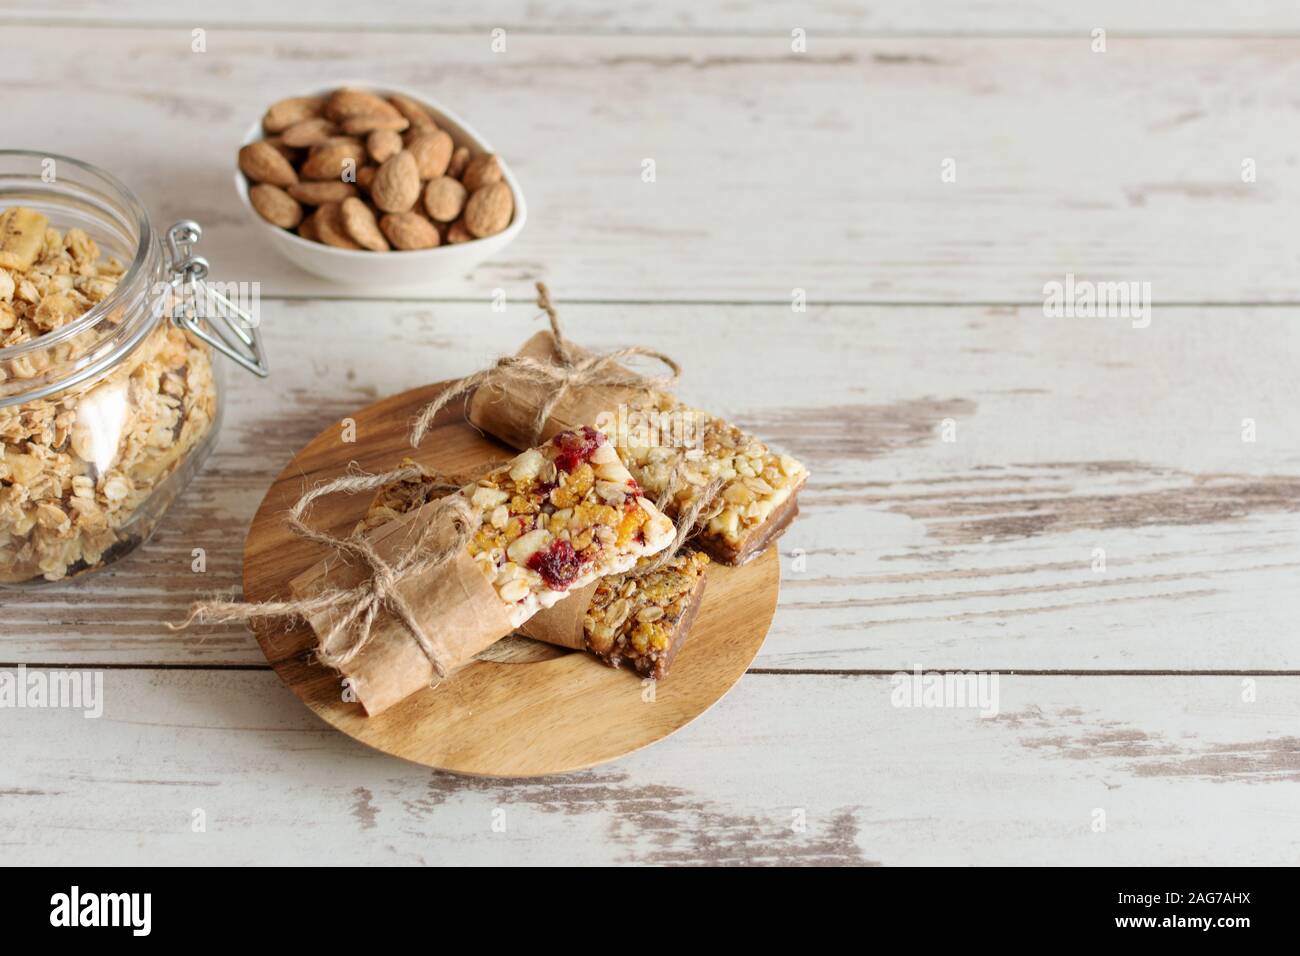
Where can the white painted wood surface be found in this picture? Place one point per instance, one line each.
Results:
(1162, 690)
(774, 171)
(1176, 769)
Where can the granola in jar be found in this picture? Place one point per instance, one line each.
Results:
(84, 471)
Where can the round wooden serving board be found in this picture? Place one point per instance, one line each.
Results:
(528, 709)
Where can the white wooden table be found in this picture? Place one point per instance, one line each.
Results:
(971, 454)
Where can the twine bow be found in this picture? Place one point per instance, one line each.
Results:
(352, 611)
(558, 377)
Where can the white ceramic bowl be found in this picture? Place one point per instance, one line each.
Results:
(415, 267)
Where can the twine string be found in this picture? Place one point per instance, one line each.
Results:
(703, 508)
(557, 378)
(352, 611)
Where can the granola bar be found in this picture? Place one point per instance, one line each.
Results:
(84, 474)
(558, 517)
(673, 450)
(402, 497)
(643, 621)
(638, 621)
(758, 497)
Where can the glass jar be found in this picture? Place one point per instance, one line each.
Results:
(110, 394)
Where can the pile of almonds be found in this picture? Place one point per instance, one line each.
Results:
(378, 172)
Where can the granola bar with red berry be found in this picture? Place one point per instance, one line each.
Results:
(636, 621)
(671, 449)
(558, 517)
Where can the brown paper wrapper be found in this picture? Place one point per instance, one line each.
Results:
(455, 604)
(509, 416)
(561, 624)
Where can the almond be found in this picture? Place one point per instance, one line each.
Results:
(409, 230)
(329, 227)
(309, 133)
(383, 144)
(332, 159)
(308, 229)
(263, 163)
(286, 113)
(432, 152)
(481, 171)
(397, 183)
(415, 112)
(457, 233)
(319, 193)
(354, 142)
(359, 223)
(346, 104)
(377, 170)
(275, 205)
(444, 198)
(369, 122)
(489, 210)
(459, 160)
(289, 153)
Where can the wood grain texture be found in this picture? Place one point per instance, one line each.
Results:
(774, 171)
(1182, 770)
(1070, 435)
(741, 17)
(491, 718)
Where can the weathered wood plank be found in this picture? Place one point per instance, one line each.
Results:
(1153, 759)
(745, 16)
(774, 171)
(1070, 435)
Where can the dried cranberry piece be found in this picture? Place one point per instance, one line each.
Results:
(576, 447)
(558, 565)
(566, 460)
